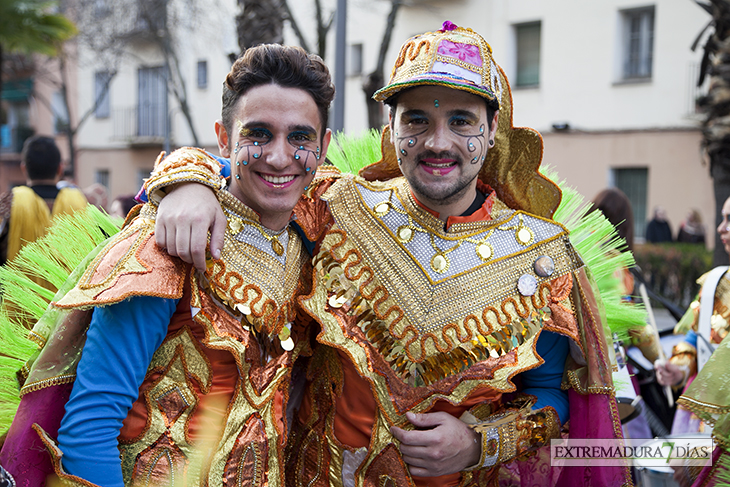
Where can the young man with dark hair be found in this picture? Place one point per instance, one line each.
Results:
(184, 376)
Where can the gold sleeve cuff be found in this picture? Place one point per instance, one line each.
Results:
(185, 165)
(684, 356)
(512, 432)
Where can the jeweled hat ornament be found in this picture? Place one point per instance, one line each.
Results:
(454, 57)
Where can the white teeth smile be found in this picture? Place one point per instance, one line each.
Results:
(277, 179)
(443, 165)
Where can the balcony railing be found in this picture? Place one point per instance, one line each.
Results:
(140, 124)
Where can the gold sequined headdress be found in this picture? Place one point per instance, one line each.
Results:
(512, 166)
(454, 57)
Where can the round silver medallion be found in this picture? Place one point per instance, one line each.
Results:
(544, 266)
(527, 285)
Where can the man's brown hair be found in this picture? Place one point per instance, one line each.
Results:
(287, 66)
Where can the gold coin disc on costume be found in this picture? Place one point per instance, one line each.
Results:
(337, 301)
(277, 247)
(525, 236)
(382, 209)
(485, 251)
(405, 234)
(288, 344)
(235, 225)
(492, 447)
(243, 308)
(439, 263)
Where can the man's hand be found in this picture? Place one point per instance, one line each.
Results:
(184, 218)
(668, 374)
(443, 444)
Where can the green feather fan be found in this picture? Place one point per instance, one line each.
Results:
(52, 258)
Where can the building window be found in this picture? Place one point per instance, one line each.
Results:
(633, 181)
(152, 102)
(638, 42)
(102, 79)
(355, 59)
(102, 177)
(528, 54)
(202, 74)
(60, 114)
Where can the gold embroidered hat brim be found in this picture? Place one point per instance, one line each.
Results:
(436, 79)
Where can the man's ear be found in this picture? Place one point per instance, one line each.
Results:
(222, 136)
(493, 128)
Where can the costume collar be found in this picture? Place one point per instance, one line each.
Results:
(45, 191)
(482, 213)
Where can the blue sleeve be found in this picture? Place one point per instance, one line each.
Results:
(691, 338)
(544, 381)
(225, 165)
(119, 346)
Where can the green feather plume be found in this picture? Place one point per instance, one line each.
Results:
(53, 258)
(604, 253)
(350, 153)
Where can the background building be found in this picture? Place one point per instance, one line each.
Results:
(610, 85)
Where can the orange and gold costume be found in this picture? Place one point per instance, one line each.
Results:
(212, 406)
(418, 318)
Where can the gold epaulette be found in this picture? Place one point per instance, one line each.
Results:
(130, 265)
(185, 165)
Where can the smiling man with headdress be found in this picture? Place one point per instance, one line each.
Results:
(459, 328)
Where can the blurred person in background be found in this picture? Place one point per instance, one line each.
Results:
(705, 324)
(98, 195)
(26, 211)
(616, 206)
(121, 205)
(658, 229)
(691, 230)
(700, 365)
